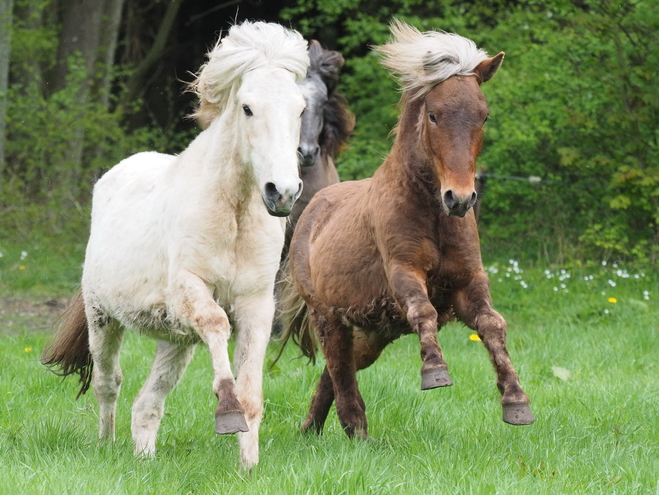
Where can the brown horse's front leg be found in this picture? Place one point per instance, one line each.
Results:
(337, 343)
(409, 288)
(473, 305)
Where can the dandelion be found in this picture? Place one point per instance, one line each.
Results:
(563, 286)
(603, 263)
(23, 255)
(22, 267)
(603, 293)
(28, 349)
(555, 289)
(606, 311)
(613, 300)
(474, 337)
(611, 283)
(524, 284)
(646, 295)
(1, 255)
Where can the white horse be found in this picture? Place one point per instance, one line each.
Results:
(182, 245)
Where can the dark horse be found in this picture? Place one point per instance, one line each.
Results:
(399, 253)
(326, 125)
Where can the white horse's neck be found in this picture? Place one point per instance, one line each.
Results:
(221, 174)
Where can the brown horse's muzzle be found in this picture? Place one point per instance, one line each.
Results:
(456, 204)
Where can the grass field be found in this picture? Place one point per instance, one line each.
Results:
(584, 341)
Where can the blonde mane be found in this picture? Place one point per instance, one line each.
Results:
(248, 46)
(420, 61)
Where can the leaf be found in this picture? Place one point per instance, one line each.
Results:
(562, 373)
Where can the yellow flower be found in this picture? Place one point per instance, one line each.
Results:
(475, 337)
(22, 267)
(28, 349)
(613, 300)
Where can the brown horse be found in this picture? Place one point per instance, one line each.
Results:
(399, 253)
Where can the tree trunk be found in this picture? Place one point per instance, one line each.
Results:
(137, 80)
(5, 50)
(109, 36)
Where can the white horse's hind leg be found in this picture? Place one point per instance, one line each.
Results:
(105, 338)
(209, 320)
(168, 367)
(254, 321)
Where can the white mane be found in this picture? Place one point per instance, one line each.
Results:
(423, 60)
(248, 46)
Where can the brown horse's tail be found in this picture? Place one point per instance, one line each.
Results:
(294, 315)
(68, 353)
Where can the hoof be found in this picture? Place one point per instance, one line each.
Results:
(436, 377)
(231, 422)
(517, 414)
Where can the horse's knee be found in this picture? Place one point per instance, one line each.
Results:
(421, 315)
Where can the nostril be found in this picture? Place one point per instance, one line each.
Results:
(449, 199)
(271, 191)
(316, 151)
(474, 198)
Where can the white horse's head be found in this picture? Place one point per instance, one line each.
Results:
(251, 81)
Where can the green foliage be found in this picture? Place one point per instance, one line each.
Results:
(576, 103)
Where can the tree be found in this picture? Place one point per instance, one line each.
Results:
(5, 50)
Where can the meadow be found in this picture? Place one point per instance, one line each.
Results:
(584, 341)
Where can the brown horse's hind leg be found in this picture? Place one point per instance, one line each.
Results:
(320, 405)
(366, 350)
(473, 306)
(337, 343)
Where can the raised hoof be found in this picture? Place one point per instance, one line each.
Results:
(436, 377)
(231, 422)
(517, 414)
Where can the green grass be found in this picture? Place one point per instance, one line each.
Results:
(596, 432)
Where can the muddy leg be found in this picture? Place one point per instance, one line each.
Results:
(197, 307)
(254, 316)
(473, 305)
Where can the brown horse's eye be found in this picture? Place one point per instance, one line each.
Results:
(432, 117)
(247, 110)
(486, 119)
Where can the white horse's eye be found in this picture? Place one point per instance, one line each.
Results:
(303, 110)
(247, 111)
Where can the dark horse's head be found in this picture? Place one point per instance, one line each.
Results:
(442, 74)
(325, 123)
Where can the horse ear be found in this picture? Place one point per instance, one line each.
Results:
(487, 68)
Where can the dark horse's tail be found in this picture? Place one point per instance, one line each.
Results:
(68, 353)
(294, 315)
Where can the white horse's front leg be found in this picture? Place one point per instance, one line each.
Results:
(197, 308)
(254, 317)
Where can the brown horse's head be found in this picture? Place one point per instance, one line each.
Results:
(441, 74)
(452, 119)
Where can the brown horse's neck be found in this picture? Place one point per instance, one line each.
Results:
(409, 162)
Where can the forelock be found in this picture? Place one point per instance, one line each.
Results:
(420, 61)
(246, 47)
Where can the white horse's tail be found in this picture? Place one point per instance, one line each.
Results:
(68, 353)
(294, 316)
